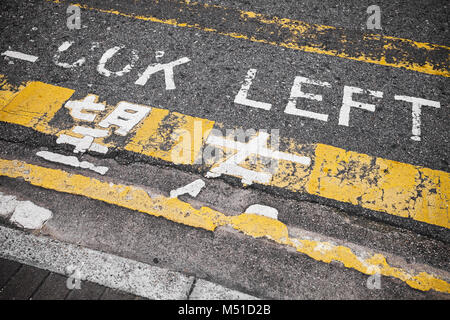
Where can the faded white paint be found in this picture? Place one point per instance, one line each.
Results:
(256, 146)
(296, 92)
(30, 216)
(417, 104)
(71, 161)
(126, 115)
(348, 103)
(159, 55)
(108, 55)
(89, 103)
(193, 189)
(263, 211)
(87, 142)
(20, 56)
(241, 97)
(63, 47)
(262, 150)
(166, 67)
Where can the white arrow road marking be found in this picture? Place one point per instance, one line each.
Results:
(193, 189)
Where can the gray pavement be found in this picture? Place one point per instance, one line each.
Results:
(24, 282)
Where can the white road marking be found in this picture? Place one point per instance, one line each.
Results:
(20, 56)
(193, 189)
(166, 67)
(348, 103)
(263, 151)
(87, 142)
(126, 115)
(71, 161)
(417, 104)
(89, 103)
(241, 97)
(256, 146)
(108, 55)
(263, 211)
(30, 216)
(296, 92)
(63, 47)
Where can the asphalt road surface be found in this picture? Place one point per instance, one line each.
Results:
(279, 148)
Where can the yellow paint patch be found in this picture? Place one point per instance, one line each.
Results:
(35, 106)
(172, 137)
(136, 198)
(7, 91)
(382, 185)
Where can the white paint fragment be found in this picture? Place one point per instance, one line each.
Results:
(7, 205)
(126, 115)
(71, 161)
(20, 56)
(348, 103)
(193, 189)
(30, 216)
(89, 103)
(108, 55)
(166, 67)
(87, 142)
(256, 146)
(241, 97)
(63, 47)
(263, 210)
(417, 104)
(159, 55)
(296, 92)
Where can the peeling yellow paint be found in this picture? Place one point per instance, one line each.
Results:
(183, 135)
(382, 185)
(373, 183)
(7, 91)
(35, 106)
(136, 198)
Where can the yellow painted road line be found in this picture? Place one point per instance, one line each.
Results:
(369, 182)
(136, 198)
(293, 34)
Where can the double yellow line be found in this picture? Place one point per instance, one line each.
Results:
(136, 198)
(288, 33)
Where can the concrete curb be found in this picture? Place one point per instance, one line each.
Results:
(108, 270)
